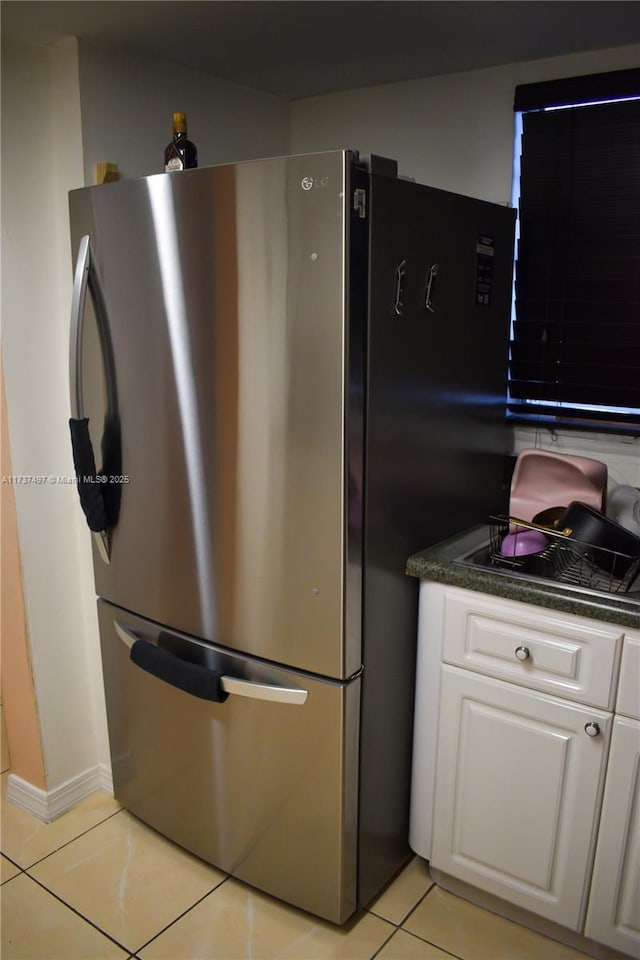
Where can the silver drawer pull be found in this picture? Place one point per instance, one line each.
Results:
(591, 728)
(127, 636)
(263, 691)
(254, 690)
(522, 653)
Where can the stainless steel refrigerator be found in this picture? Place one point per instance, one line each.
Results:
(291, 373)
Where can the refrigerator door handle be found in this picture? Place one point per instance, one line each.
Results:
(101, 511)
(401, 270)
(235, 686)
(80, 283)
(433, 273)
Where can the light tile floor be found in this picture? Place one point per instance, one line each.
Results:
(97, 883)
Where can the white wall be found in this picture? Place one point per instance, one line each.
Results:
(128, 100)
(41, 161)
(117, 106)
(621, 454)
(456, 132)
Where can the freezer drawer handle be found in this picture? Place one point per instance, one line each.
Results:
(190, 677)
(200, 681)
(263, 691)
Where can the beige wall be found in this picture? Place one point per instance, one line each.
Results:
(18, 699)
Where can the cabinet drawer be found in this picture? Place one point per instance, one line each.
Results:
(568, 656)
(628, 701)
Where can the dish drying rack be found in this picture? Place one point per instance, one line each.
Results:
(566, 559)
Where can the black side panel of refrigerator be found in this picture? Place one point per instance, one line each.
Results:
(436, 439)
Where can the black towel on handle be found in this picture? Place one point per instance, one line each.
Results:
(190, 677)
(89, 488)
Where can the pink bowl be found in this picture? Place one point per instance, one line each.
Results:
(524, 543)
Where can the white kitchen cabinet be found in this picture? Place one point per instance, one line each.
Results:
(613, 917)
(527, 807)
(518, 788)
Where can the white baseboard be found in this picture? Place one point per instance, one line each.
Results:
(47, 805)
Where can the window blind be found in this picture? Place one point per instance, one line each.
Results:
(576, 334)
(616, 85)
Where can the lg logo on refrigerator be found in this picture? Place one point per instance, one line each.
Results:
(314, 183)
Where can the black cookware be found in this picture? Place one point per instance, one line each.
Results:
(609, 546)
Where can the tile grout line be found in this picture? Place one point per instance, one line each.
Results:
(12, 862)
(95, 926)
(430, 943)
(66, 843)
(399, 926)
(417, 935)
(409, 912)
(183, 914)
(395, 925)
(383, 945)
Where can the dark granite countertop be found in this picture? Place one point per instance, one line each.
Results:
(437, 563)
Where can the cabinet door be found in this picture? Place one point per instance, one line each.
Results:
(628, 699)
(614, 904)
(518, 786)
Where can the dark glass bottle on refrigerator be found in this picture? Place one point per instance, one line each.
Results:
(181, 153)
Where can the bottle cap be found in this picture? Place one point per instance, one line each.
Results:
(180, 122)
